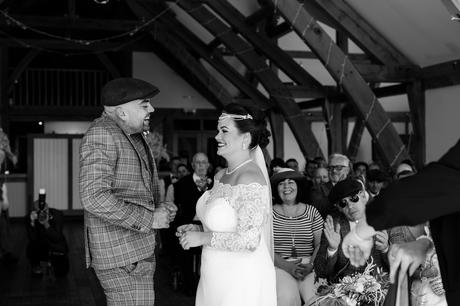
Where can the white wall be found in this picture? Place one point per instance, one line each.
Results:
(67, 127)
(442, 120)
(175, 92)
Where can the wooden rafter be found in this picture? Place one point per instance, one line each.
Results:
(182, 55)
(109, 65)
(362, 33)
(215, 59)
(348, 77)
(284, 62)
(54, 22)
(249, 57)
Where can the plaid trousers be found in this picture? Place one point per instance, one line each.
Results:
(131, 285)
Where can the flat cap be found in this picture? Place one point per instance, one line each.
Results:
(122, 90)
(343, 189)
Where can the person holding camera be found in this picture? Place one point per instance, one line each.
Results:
(46, 238)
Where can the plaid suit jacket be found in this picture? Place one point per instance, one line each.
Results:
(119, 191)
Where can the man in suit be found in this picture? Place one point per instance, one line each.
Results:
(119, 194)
(330, 262)
(187, 191)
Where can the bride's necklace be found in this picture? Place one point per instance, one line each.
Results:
(239, 166)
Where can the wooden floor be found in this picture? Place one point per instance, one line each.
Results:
(79, 287)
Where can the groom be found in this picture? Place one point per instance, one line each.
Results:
(120, 196)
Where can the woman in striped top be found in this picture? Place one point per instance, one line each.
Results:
(297, 229)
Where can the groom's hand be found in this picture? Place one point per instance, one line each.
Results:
(161, 217)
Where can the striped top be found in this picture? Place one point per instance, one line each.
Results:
(299, 230)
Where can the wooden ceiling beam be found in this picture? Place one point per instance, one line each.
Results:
(109, 65)
(181, 54)
(216, 60)
(441, 75)
(362, 33)
(258, 65)
(284, 62)
(69, 23)
(348, 77)
(306, 92)
(56, 44)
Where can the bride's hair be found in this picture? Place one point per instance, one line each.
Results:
(257, 126)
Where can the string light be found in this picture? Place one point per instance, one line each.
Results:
(11, 20)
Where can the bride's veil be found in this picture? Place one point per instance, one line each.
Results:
(258, 157)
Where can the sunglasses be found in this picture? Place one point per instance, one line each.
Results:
(344, 203)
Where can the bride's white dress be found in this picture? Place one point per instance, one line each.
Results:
(236, 269)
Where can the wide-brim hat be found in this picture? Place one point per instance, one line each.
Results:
(343, 189)
(122, 90)
(285, 173)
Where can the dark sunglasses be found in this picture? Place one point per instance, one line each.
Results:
(343, 203)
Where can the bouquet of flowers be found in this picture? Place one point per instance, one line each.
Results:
(358, 289)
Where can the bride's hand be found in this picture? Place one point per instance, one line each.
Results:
(185, 228)
(190, 239)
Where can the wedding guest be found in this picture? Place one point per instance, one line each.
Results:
(350, 199)
(430, 195)
(297, 229)
(187, 191)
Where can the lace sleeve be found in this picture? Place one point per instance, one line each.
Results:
(251, 205)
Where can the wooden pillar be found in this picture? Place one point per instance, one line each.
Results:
(4, 104)
(333, 114)
(416, 97)
(277, 128)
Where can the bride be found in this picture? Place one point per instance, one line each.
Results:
(237, 258)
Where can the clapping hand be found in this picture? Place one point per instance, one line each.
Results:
(332, 233)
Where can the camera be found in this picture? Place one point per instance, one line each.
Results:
(42, 213)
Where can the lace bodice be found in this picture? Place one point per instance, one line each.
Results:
(236, 215)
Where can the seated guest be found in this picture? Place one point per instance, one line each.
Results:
(297, 232)
(293, 164)
(321, 176)
(310, 168)
(376, 180)
(360, 169)
(276, 164)
(330, 262)
(46, 239)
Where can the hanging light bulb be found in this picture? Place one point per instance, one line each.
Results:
(101, 1)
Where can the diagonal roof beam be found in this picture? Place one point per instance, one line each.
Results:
(192, 42)
(283, 61)
(181, 54)
(362, 33)
(249, 57)
(216, 60)
(346, 75)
